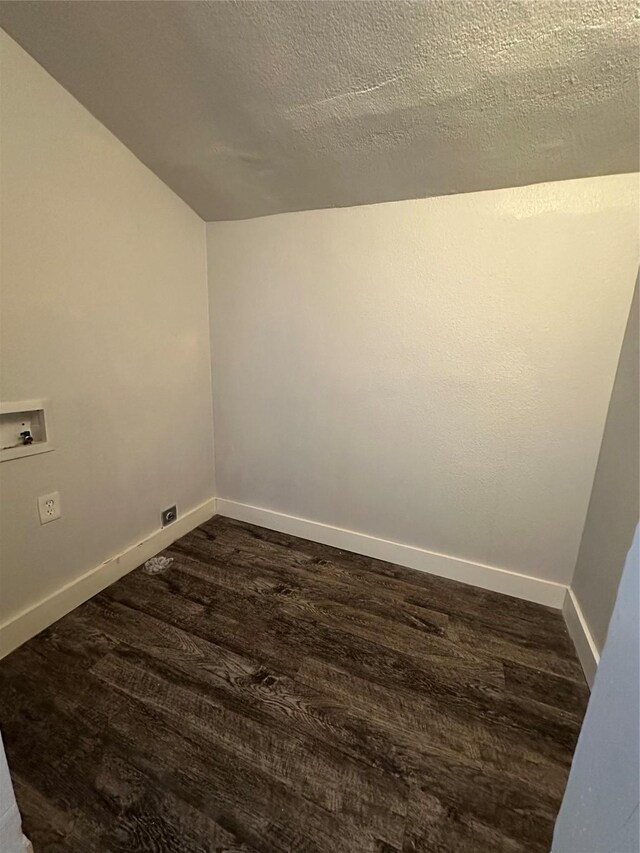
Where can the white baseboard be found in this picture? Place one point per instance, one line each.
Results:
(476, 574)
(586, 648)
(40, 615)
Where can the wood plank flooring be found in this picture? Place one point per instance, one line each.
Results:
(265, 694)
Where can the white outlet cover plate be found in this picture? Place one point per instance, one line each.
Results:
(49, 507)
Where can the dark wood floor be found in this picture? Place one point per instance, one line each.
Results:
(266, 693)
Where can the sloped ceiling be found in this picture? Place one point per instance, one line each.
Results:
(251, 108)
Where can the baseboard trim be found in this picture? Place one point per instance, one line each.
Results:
(487, 577)
(586, 647)
(39, 616)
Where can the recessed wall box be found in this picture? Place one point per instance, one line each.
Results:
(25, 429)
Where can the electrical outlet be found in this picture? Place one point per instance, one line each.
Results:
(169, 515)
(49, 507)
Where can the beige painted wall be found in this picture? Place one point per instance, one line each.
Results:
(104, 311)
(433, 372)
(614, 505)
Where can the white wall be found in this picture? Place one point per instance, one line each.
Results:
(433, 372)
(11, 837)
(104, 311)
(599, 813)
(614, 507)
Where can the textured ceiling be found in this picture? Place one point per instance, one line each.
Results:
(250, 108)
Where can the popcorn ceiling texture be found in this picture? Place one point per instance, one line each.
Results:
(247, 109)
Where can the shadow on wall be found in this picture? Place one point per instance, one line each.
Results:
(614, 505)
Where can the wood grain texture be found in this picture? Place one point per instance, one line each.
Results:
(266, 694)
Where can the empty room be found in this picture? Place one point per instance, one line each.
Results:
(319, 409)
